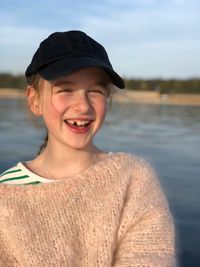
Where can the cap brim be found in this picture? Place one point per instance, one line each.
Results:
(66, 66)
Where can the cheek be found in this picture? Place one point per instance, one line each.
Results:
(50, 116)
(59, 103)
(101, 108)
(49, 112)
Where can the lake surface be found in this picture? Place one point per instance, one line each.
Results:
(167, 136)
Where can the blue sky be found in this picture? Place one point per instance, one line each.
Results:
(144, 38)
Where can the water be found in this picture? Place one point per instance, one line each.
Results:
(167, 136)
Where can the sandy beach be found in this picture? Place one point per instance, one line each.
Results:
(157, 98)
(127, 96)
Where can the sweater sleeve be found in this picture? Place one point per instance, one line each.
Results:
(146, 234)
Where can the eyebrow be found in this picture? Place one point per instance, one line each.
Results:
(61, 82)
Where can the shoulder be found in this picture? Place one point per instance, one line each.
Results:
(10, 173)
(132, 161)
(139, 173)
(21, 175)
(143, 184)
(134, 169)
(13, 175)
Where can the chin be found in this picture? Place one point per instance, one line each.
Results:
(81, 146)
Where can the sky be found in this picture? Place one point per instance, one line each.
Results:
(143, 38)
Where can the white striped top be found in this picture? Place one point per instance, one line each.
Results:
(20, 175)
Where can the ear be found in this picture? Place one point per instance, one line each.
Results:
(33, 100)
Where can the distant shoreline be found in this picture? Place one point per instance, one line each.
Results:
(11, 93)
(126, 96)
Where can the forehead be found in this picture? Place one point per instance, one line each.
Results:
(91, 75)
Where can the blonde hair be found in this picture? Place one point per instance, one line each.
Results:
(35, 82)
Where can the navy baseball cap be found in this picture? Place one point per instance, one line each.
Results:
(65, 52)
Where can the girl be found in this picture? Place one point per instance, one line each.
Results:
(74, 204)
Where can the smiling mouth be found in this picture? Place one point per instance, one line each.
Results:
(77, 124)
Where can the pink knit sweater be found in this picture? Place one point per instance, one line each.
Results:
(112, 214)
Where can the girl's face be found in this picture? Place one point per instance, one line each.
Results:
(74, 107)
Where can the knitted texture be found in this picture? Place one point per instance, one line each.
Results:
(112, 214)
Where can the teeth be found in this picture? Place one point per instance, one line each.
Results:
(78, 122)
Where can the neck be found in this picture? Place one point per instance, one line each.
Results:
(64, 162)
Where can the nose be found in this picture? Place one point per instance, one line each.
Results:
(81, 103)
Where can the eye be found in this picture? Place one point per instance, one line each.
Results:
(64, 90)
(100, 91)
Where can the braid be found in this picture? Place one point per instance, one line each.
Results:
(42, 147)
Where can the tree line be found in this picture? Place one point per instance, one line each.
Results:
(189, 86)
